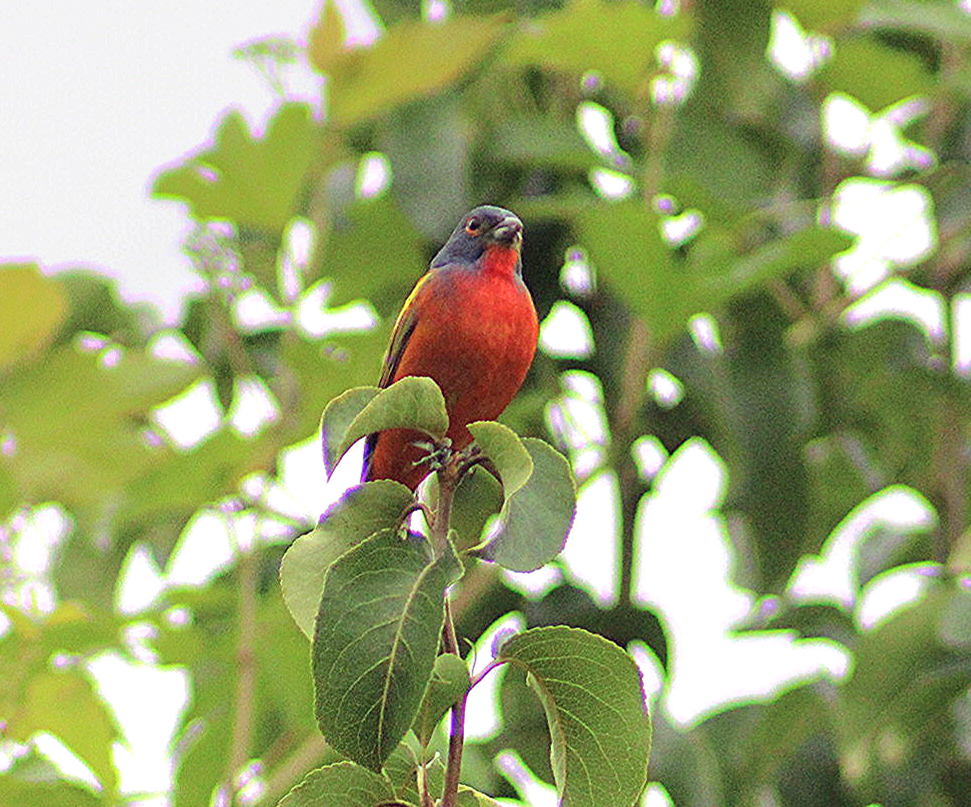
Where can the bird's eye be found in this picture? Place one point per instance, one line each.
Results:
(473, 225)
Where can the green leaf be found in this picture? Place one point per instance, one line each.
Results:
(33, 781)
(342, 784)
(337, 418)
(256, 182)
(905, 680)
(506, 451)
(477, 498)
(860, 67)
(414, 402)
(78, 423)
(360, 512)
(375, 644)
(450, 680)
(402, 770)
(616, 39)
(467, 797)
(366, 82)
(938, 18)
(31, 308)
(822, 15)
(371, 250)
(85, 727)
(600, 729)
(536, 519)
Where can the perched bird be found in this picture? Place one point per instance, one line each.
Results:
(470, 325)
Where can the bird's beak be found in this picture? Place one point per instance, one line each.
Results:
(508, 231)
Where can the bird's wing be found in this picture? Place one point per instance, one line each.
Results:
(404, 326)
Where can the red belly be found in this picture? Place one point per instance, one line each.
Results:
(475, 336)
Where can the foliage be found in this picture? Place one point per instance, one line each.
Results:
(703, 234)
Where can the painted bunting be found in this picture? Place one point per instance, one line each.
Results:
(470, 325)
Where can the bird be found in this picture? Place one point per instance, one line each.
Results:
(471, 326)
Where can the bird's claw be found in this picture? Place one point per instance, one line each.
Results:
(439, 452)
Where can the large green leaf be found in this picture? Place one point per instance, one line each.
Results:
(600, 729)
(412, 60)
(361, 512)
(77, 423)
(616, 39)
(536, 519)
(31, 308)
(342, 784)
(414, 402)
(66, 704)
(256, 182)
(375, 643)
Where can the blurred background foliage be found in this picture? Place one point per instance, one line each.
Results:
(711, 190)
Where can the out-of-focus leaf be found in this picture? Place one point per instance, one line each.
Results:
(938, 18)
(903, 686)
(65, 703)
(256, 182)
(860, 67)
(360, 512)
(822, 15)
(371, 250)
(31, 308)
(617, 40)
(412, 60)
(450, 680)
(600, 730)
(414, 402)
(375, 643)
(342, 784)
(77, 424)
(536, 519)
(428, 148)
(32, 781)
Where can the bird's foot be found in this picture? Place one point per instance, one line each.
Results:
(438, 453)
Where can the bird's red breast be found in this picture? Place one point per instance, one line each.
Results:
(470, 326)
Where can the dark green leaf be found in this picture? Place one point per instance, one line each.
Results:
(414, 402)
(477, 498)
(600, 730)
(359, 513)
(467, 797)
(450, 680)
(342, 784)
(536, 519)
(375, 643)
